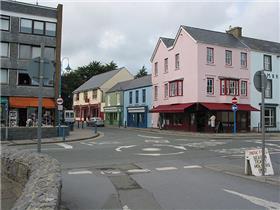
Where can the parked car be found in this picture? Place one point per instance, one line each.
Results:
(95, 120)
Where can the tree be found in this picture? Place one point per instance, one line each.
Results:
(73, 79)
(141, 73)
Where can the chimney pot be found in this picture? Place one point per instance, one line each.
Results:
(235, 31)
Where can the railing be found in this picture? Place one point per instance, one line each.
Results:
(275, 128)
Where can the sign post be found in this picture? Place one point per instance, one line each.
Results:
(59, 102)
(234, 109)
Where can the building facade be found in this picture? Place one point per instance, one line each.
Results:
(195, 76)
(24, 27)
(89, 98)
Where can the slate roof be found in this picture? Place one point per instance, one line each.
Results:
(167, 41)
(214, 37)
(261, 45)
(132, 84)
(97, 80)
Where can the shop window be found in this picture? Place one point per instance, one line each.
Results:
(5, 23)
(4, 76)
(4, 49)
(270, 116)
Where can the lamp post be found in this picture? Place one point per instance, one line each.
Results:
(59, 90)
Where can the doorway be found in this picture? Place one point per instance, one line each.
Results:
(201, 121)
(22, 115)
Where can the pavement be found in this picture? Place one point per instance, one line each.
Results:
(9, 194)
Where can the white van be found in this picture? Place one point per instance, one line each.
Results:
(69, 116)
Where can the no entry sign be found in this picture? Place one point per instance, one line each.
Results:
(234, 100)
(59, 101)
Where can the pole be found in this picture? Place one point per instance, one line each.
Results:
(263, 123)
(41, 70)
(6, 119)
(234, 124)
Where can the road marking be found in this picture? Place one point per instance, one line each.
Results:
(193, 166)
(158, 154)
(258, 201)
(110, 172)
(173, 146)
(79, 172)
(106, 142)
(166, 168)
(157, 141)
(119, 149)
(138, 170)
(88, 144)
(150, 137)
(66, 146)
(151, 149)
(125, 207)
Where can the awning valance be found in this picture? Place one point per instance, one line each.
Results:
(227, 107)
(171, 108)
(24, 102)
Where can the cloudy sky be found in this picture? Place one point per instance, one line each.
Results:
(127, 31)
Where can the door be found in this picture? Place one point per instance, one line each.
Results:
(200, 121)
(22, 114)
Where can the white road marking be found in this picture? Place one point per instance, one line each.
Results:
(173, 146)
(106, 142)
(258, 201)
(193, 166)
(158, 154)
(138, 170)
(166, 168)
(79, 172)
(151, 149)
(157, 141)
(88, 144)
(125, 207)
(150, 137)
(110, 172)
(119, 149)
(66, 146)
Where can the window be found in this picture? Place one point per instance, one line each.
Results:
(243, 60)
(23, 78)
(26, 26)
(244, 88)
(228, 57)
(24, 51)
(210, 55)
(86, 97)
(36, 52)
(109, 100)
(176, 88)
(118, 95)
(143, 95)
(5, 23)
(77, 96)
(137, 96)
(4, 49)
(29, 52)
(165, 65)
(229, 87)
(130, 97)
(268, 90)
(270, 116)
(177, 61)
(4, 76)
(156, 68)
(210, 86)
(50, 29)
(50, 53)
(156, 93)
(94, 94)
(166, 90)
(38, 27)
(267, 62)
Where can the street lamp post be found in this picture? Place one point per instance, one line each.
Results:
(59, 91)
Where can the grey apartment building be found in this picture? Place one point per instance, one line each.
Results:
(23, 28)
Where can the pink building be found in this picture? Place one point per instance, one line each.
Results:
(196, 75)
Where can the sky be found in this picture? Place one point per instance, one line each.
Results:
(126, 32)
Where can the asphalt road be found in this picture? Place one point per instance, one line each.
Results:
(129, 169)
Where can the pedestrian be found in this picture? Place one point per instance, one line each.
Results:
(212, 120)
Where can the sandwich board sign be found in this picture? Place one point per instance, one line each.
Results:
(253, 162)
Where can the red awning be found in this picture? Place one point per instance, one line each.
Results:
(171, 108)
(24, 102)
(227, 107)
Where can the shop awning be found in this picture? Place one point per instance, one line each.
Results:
(227, 107)
(171, 108)
(24, 102)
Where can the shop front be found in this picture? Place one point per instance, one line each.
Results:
(23, 111)
(113, 115)
(137, 117)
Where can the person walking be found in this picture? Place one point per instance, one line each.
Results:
(212, 120)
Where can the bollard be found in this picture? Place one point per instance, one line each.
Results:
(63, 133)
(95, 128)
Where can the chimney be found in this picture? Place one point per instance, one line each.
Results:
(235, 31)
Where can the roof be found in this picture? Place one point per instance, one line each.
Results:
(214, 37)
(97, 80)
(167, 41)
(132, 84)
(261, 45)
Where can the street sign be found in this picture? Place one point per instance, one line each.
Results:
(59, 101)
(48, 73)
(258, 80)
(234, 107)
(60, 107)
(234, 100)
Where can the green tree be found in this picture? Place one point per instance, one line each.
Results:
(73, 79)
(141, 73)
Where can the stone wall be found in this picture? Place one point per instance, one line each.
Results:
(38, 175)
(21, 133)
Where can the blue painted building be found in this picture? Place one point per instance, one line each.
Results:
(137, 102)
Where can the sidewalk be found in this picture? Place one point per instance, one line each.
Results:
(76, 135)
(249, 135)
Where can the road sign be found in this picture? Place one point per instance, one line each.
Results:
(258, 80)
(234, 107)
(234, 100)
(60, 107)
(59, 101)
(48, 73)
